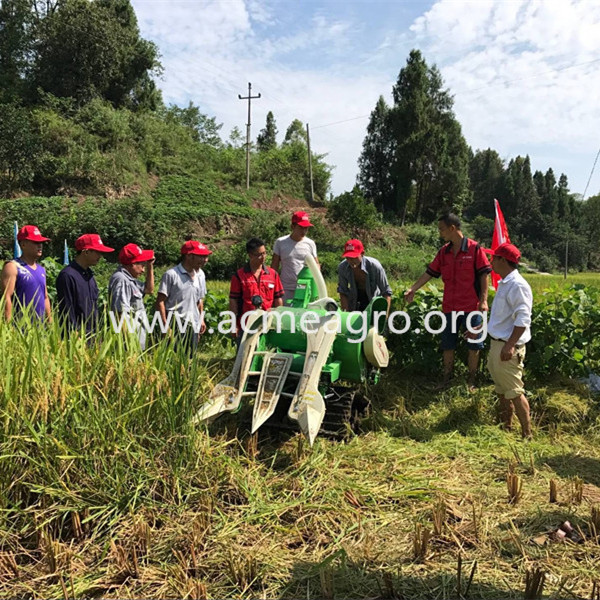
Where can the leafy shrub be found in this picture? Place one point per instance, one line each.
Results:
(565, 332)
(19, 148)
(426, 236)
(353, 211)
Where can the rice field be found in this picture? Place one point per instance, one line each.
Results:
(107, 490)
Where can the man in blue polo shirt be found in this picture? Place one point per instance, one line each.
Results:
(76, 288)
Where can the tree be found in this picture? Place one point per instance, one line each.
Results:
(236, 139)
(204, 129)
(18, 148)
(16, 39)
(485, 174)
(295, 133)
(88, 50)
(353, 211)
(267, 138)
(430, 153)
(375, 162)
(520, 201)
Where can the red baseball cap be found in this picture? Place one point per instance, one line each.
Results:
(31, 233)
(507, 251)
(194, 247)
(353, 249)
(132, 253)
(91, 241)
(301, 218)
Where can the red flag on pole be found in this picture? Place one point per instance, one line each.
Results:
(500, 236)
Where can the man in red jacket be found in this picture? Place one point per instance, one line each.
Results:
(254, 285)
(464, 268)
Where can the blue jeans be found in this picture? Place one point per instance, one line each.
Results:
(450, 338)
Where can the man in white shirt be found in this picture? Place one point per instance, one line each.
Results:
(510, 329)
(290, 251)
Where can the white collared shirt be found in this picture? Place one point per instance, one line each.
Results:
(511, 308)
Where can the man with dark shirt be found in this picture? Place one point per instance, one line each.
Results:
(76, 288)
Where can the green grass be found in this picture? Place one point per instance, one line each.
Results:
(107, 490)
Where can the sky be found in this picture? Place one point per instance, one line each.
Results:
(525, 74)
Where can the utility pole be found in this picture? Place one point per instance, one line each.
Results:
(310, 173)
(567, 257)
(249, 97)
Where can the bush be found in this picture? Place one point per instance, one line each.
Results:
(353, 211)
(566, 332)
(426, 236)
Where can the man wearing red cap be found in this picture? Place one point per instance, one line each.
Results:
(464, 269)
(23, 280)
(254, 286)
(76, 287)
(125, 291)
(510, 329)
(182, 290)
(361, 278)
(290, 251)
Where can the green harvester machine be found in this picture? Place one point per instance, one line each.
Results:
(292, 360)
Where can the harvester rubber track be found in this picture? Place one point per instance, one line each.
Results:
(345, 409)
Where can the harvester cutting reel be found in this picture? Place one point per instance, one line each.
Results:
(288, 362)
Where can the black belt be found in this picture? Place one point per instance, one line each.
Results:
(504, 341)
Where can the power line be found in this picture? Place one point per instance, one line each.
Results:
(483, 87)
(344, 121)
(590, 177)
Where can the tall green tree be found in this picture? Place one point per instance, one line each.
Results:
(431, 156)
(295, 132)
(375, 163)
(485, 174)
(203, 129)
(19, 146)
(565, 204)
(88, 50)
(267, 138)
(16, 41)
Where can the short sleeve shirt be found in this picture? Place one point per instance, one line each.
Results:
(460, 274)
(244, 285)
(292, 255)
(183, 292)
(376, 280)
(126, 292)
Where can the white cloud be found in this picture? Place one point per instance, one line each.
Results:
(500, 58)
(505, 62)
